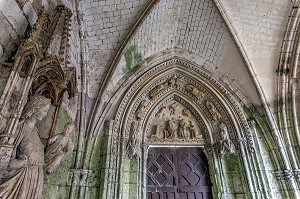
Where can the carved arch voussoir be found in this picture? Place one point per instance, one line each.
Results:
(210, 105)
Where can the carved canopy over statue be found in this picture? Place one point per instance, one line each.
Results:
(40, 83)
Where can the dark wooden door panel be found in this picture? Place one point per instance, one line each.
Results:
(177, 173)
(194, 182)
(161, 174)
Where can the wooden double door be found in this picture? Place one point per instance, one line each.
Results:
(177, 173)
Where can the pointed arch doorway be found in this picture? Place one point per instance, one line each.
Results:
(178, 172)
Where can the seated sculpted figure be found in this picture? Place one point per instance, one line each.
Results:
(59, 146)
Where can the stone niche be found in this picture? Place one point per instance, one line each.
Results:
(173, 123)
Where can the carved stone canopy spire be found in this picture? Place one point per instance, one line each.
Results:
(59, 28)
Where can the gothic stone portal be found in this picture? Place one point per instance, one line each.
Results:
(178, 173)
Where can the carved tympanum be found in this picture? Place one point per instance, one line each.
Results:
(175, 124)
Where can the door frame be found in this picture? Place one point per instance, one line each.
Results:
(172, 146)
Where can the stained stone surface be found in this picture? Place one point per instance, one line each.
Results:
(248, 51)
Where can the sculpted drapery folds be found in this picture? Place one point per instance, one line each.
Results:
(59, 146)
(25, 175)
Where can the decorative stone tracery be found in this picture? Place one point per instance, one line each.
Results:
(175, 103)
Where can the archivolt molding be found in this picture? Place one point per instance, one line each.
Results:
(184, 83)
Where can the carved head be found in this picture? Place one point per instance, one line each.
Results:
(37, 107)
(69, 128)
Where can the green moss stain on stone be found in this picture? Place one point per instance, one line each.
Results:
(132, 59)
(56, 186)
(63, 118)
(98, 164)
(133, 178)
(126, 178)
(130, 178)
(232, 164)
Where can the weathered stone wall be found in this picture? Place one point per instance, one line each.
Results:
(194, 30)
(260, 26)
(106, 24)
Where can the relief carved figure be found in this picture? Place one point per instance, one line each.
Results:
(171, 131)
(192, 130)
(182, 131)
(186, 113)
(213, 111)
(160, 132)
(226, 145)
(134, 142)
(140, 110)
(26, 168)
(161, 112)
(158, 90)
(59, 145)
(195, 91)
(175, 81)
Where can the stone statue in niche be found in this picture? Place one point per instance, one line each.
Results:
(195, 91)
(58, 146)
(140, 110)
(213, 111)
(134, 142)
(25, 176)
(226, 145)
